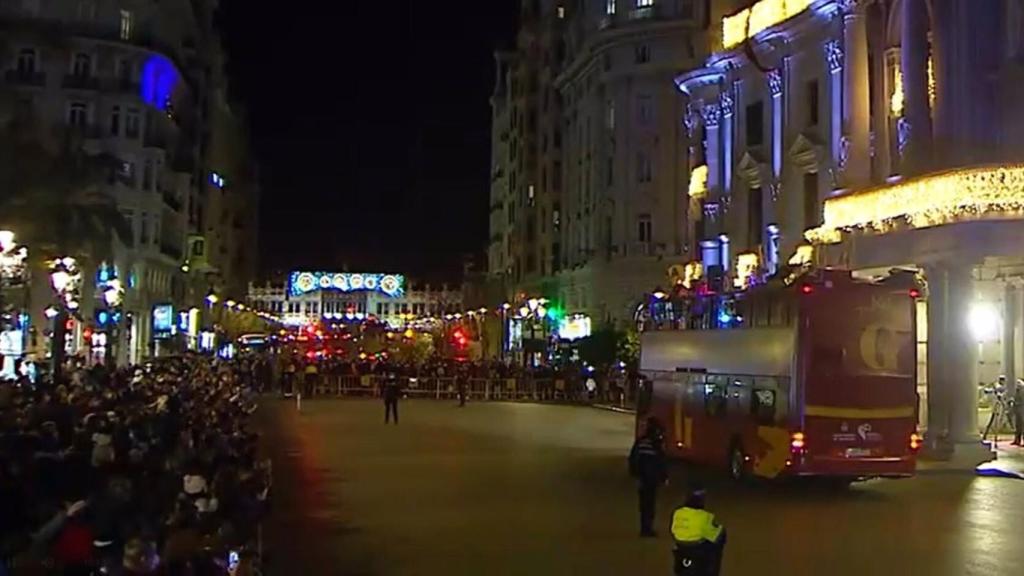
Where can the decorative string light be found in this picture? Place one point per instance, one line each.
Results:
(953, 196)
(748, 22)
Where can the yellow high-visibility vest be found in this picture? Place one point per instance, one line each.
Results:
(692, 525)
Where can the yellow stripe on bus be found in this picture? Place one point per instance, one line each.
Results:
(865, 413)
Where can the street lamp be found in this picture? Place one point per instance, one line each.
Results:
(65, 278)
(212, 298)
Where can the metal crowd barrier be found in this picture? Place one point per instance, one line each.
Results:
(524, 389)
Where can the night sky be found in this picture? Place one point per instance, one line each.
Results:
(371, 125)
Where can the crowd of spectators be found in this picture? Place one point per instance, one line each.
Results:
(143, 470)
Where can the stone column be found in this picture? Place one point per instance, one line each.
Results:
(856, 98)
(938, 400)
(961, 348)
(1009, 327)
(916, 108)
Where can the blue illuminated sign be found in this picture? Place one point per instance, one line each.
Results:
(163, 320)
(158, 80)
(305, 282)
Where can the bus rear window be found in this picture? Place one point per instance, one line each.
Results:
(715, 399)
(762, 406)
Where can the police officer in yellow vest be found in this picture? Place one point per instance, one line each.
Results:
(699, 538)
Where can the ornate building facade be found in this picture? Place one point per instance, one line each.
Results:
(883, 132)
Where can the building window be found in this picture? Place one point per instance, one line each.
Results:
(643, 167)
(561, 12)
(126, 24)
(133, 123)
(81, 65)
(610, 115)
(610, 171)
(643, 229)
(812, 103)
(147, 175)
(556, 177)
(115, 121)
(123, 69)
(26, 64)
(755, 124)
(642, 54)
(810, 200)
(86, 9)
(644, 110)
(644, 3)
(144, 230)
(78, 114)
(686, 9)
(755, 216)
(609, 7)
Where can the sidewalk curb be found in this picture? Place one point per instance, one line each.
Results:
(610, 408)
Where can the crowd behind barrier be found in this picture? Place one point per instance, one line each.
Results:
(441, 380)
(143, 470)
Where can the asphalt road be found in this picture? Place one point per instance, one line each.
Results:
(524, 489)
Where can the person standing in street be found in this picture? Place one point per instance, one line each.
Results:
(1018, 412)
(647, 465)
(699, 538)
(392, 392)
(312, 372)
(460, 387)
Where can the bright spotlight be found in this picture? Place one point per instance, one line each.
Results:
(983, 321)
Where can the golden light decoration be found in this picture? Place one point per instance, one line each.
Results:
(931, 82)
(747, 264)
(804, 256)
(896, 99)
(763, 15)
(699, 181)
(933, 200)
(692, 273)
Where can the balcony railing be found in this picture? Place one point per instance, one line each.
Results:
(80, 82)
(25, 78)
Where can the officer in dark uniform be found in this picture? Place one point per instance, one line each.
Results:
(647, 465)
(392, 392)
(699, 538)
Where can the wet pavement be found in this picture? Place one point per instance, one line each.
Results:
(524, 489)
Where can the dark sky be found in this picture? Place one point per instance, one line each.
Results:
(371, 124)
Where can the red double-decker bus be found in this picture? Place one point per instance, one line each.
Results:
(814, 378)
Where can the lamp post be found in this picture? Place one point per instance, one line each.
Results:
(66, 279)
(12, 270)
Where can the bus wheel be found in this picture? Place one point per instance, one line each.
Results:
(737, 463)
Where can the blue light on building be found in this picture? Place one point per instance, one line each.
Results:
(158, 81)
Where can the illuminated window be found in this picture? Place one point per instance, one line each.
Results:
(609, 7)
(561, 12)
(126, 24)
(644, 3)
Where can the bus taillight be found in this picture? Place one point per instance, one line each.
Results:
(796, 442)
(915, 442)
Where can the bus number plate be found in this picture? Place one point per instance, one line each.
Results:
(857, 452)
